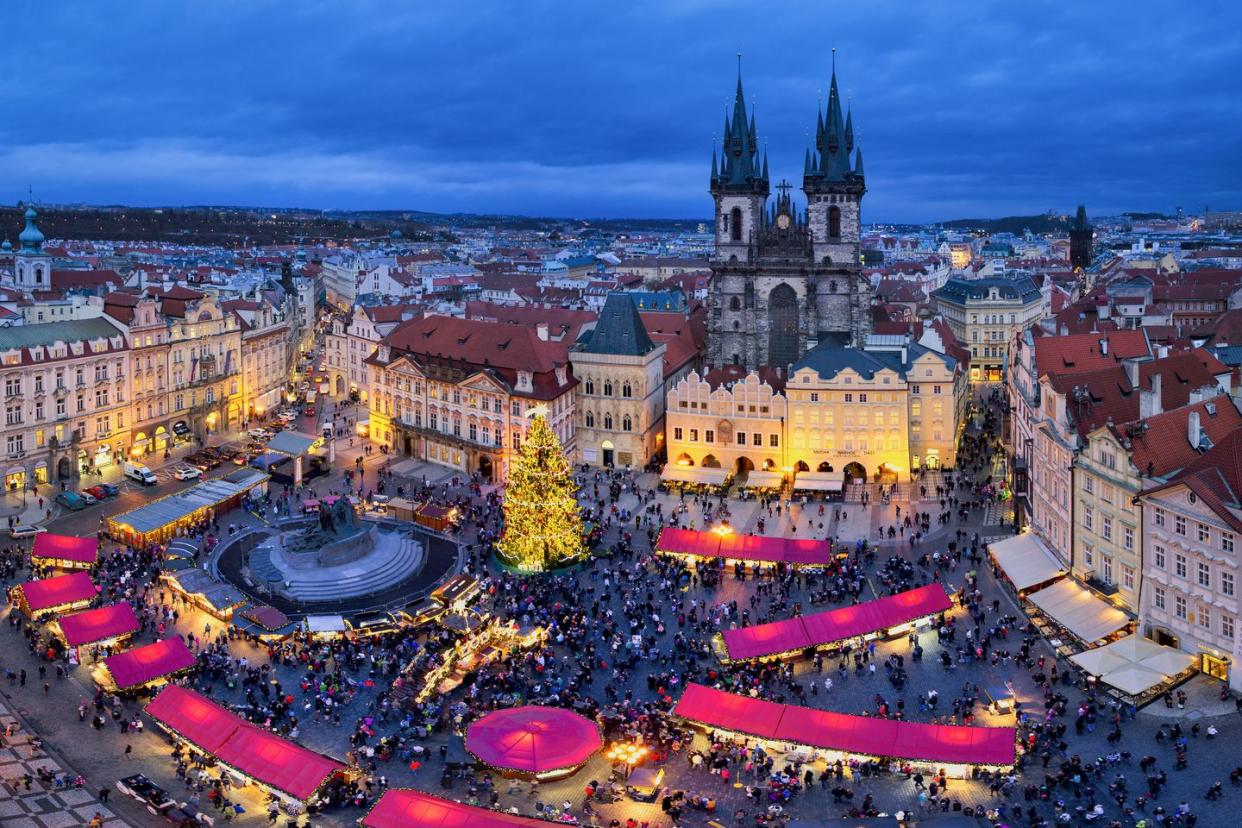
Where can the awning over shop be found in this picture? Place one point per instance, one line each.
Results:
(864, 735)
(764, 480)
(325, 624)
(757, 548)
(823, 628)
(51, 547)
(101, 624)
(1134, 664)
(141, 665)
(700, 475)
(819, 481)
(169, 510)
(1078, 610)
(408, 808)
(61, 591)
(533, 739)
(1025, 561)
(259, 754)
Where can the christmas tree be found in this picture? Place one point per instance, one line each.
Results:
(543, 526)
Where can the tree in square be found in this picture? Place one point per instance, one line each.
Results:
(543, 524)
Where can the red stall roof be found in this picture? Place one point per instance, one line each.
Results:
(533, 739)
(881, 738)
(98, 624)
(404, 808)
(281, 764)
(198, 720)
(49, 593)
(258, 753)
(65, 548)
(758, 548)
(839, 624)
(140, 665)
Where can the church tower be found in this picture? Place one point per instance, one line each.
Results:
(1082, 235)
(834, 185)
(32, 267)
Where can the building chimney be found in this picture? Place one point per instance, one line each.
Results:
(1132, 371)
(541, 330)
(1192, 429)
(1104, 346)
(1151, 402)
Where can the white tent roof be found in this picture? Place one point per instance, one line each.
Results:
(325, 624)
(820, 481)
(1133, 664)
(1076, 609)
(1170, 662)
(1099, 661)
(1025, 560)
(1133, 680)
(701, 475)
(764, 480)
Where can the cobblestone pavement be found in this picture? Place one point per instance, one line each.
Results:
(100, 756)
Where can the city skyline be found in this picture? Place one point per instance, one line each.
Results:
(963, 111)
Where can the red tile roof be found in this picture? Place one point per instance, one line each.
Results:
(1159, 445)
(1077, 353)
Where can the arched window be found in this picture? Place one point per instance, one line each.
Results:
(735, 228)
(834, 222)
(626, 391)
(608, 422)
(626, 423)
(608, 388)
(735, 304)
(590, 386)
(590, 420)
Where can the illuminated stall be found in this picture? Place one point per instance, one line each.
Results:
(533, 741)
(144, 667)
(103, 627)
(62, 593)
(735, 547)
(64, 551)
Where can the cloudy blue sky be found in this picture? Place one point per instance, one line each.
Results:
(610, 109)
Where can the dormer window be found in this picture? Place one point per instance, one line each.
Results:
(524, 381)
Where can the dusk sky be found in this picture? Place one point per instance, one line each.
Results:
(610, 109)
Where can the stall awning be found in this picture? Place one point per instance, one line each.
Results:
(823, 628)
(60, 591)
(65, 548)
(255, 752)
(325, 624)
(168, 510)
(98, 624)
(700, 475)
(1025, 560)
(407, 808)
(1134, 664)
(136, 667)
(764, 480)
(291, 443)
(759, 548)
(533, 739)
(868, 736)
(819, 481)
(1078, 610)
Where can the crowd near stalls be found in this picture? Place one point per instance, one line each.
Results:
(621, 647)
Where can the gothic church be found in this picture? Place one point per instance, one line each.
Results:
(787, 280)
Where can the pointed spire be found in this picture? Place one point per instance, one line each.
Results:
(849, 130)
(765, 165)
(715, 172)
(858, 167)
(806, 163)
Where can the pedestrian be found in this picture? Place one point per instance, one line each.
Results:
(129, 751)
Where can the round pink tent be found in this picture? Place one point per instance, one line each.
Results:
(533, 740)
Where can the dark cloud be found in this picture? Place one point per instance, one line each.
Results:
(611, 109)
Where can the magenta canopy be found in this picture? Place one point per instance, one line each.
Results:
(533, 739)
(65, 548)
(757, 548)
(61, 591)
(136, 667)
(90, 626)
(406, 808)
(843, 623)
(258, 753)
(868, 736)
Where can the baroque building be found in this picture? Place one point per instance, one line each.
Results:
(783, 281)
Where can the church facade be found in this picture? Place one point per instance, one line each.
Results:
(787, 280)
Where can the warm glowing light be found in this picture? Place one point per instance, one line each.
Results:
(722, 529)
(631, 753)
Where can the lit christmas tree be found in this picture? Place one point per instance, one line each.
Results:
(543, 526)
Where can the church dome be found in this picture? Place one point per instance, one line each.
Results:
(6, 246)
(31, 237)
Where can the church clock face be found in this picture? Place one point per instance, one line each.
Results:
(782, 221)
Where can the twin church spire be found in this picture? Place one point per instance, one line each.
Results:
(834, 157)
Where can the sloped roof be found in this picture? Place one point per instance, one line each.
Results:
(619, 330)
(1077, 353)
(1159, 444)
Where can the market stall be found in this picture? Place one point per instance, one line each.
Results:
(694, 475)
(534, 741)
(1078, 611)
(202, 589)
(890, 615)
(407, 808)
(102, 627)
(59, 594)
(767, 480)
(436, 518)
(956, 749)
(1025, 562)
(64, 551)
(145, 666)
(750, 548)
(264, 622)
(822, 482)
(171, 515)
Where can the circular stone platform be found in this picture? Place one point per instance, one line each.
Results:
(392, 564)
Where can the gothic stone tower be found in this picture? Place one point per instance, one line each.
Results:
(1081, 235)
(784, 283)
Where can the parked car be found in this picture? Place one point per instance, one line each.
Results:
(187, 472)
(147, 792)
(111, 489)
(19, 532)
(259, 434)
(90, 499)
(71, 500)
(98, 492)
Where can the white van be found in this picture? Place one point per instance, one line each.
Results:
(139, 472)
